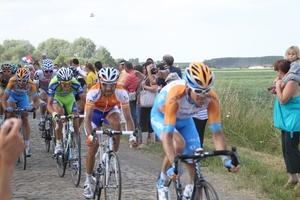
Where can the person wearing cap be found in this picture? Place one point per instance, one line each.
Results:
(123, 73)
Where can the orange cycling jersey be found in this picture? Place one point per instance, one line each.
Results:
(173, 102)
(100, 102)
(12, 86)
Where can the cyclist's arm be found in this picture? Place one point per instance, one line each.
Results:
(49, 104)
(128, 118)
(4, 99)
(88, 119)
(151, 79)
(83, 97)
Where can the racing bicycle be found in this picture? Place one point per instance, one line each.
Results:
(107, 175)
(21, 162)
(48, 132)
(202, 190)
(71, 149)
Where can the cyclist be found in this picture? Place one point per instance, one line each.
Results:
(16, 95)
(101, 103)
(79, 102)
(61, 100)
(173, 109)
(42, 79)
(5, 74)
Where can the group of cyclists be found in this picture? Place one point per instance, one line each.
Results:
(60, 93)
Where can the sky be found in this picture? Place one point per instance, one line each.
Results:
(189, 30)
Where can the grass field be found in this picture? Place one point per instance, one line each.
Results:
(247, 119)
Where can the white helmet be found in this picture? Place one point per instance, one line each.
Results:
(47, 64)
(108, 74)
(64, 74)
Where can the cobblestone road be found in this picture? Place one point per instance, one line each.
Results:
(41, 181)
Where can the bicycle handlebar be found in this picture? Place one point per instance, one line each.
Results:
(19, 110)
(201, 155)
(67, 117)
(112, 132)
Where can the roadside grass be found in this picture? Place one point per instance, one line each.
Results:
(247, 119)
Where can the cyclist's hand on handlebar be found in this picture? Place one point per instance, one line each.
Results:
(90, 141)
(30, 108)
(228, 164)
(172, 175)
(9, 109)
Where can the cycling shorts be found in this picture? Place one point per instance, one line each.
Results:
(185, 127)
(20, 99)
(67, 102)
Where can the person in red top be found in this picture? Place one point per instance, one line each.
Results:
(130, 84)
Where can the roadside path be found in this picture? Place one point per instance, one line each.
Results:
(139, 172)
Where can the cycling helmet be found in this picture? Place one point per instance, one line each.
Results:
(74, 70)
(6, 66)
(64, 74)
(14, 68)
(22, 74)
(198, 75)
(108, 74)
(47, 64)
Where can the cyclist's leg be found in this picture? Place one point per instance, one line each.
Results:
(114, 119)
(11, 103)
(71, 107)
(57, 106)
(23, 102)
(43, 108)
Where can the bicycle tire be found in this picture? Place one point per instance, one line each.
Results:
(204, 191)
(22, 159)
(61, 163)
(76, 173)
(53, 137)
(112, 178)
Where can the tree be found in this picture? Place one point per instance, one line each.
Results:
(83, 47)
(104, 55)
(53, 48)
(17, 49)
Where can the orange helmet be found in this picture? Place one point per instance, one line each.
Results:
(198, 75)
(22, 74)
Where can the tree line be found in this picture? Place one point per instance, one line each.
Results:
(60, 51)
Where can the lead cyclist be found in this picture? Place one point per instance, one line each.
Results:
(172, 110)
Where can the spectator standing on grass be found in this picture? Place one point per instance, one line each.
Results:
(144, 117)
(286, 118)
(130, 84)
(98, 66)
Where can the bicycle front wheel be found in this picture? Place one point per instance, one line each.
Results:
(75, 162)
(21, 163)
(204, 191)
(112, 177)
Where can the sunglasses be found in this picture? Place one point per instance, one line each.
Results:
(6, 71)
(48, 71)
(111, 85)
(200, 91)
(22, 81)
(65, 82)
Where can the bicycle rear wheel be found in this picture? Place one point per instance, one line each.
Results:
(98, 176)
(21, 164)
(75, 162)
(204, 191)
(61, 163)
(112, 177)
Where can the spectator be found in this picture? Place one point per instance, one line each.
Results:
(11, 146)
(56, 67)
(36, 65)
(44, 56)
(286, 118)
(75, 63)
(149, 60)
(98, 66)
(123, 73)
(145, 88)
(91, 77)
(130, 84)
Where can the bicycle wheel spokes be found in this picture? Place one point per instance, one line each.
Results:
(112, 177)
(205, 191)
(47, 140)
(75, 162)
(21, 162)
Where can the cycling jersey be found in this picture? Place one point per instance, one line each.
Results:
(174, 104)
(63, 97)
(104, 104)
(20, 95)
(41, 80)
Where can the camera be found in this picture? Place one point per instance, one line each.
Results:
(153, 66)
